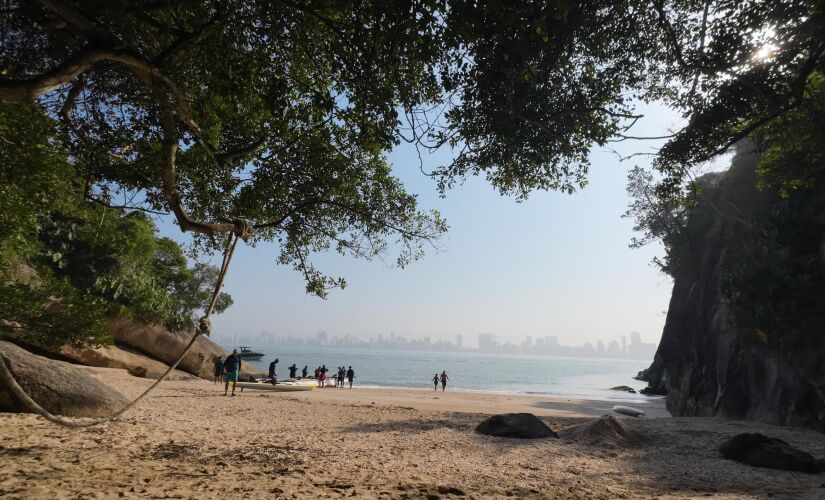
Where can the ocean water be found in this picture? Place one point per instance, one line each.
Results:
(589, 378)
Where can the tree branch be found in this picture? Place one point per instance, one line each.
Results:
(168, 176)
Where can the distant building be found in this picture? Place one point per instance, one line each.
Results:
(487, 342)
(321, 337)
(528, 342)
(624, 344)
(458, 341)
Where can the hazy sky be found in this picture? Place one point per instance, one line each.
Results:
(555, 264)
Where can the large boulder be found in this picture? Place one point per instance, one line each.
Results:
(118, 357)
(515, 425)
(763, 451)
(59, 387)
(166, 346)
(607, 431)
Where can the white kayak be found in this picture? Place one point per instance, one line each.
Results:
(629, 410)
(261, 386)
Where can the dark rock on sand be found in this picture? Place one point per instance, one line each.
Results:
(606, 431)
(515, 425)
(654, 391)
(624, 388)
(59, 387)
(763, 451)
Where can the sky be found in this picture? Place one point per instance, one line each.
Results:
(555, 264)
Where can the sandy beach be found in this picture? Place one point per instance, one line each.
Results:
(188, 441)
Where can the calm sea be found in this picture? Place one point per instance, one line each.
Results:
(589, 378)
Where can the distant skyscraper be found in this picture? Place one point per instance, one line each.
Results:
(635, 338)
(321, 337)
(624, 344)
(458, 341)
(486, 341)
(528, 341)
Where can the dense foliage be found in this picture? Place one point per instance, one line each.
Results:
(68, 263)
(768, 212)
(283, 111)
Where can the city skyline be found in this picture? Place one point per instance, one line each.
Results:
(619, 347)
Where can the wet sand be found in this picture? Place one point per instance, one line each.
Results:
(188, 441)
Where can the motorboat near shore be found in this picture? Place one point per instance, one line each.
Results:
(248, 353)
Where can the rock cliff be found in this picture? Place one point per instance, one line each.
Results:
(708, 361)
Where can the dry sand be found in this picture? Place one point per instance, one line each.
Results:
(188, 441)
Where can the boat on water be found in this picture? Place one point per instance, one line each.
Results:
(248, 353)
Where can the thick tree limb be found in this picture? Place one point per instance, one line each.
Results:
(168, 175)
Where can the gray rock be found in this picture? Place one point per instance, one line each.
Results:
(59, 387)
(515, 425)
(111, 356)
(166, 346)
(624, 388)
(772, 453)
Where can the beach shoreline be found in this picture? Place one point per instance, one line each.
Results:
(186, 440)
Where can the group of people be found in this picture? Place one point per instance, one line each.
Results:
(228, 370)
(342, 375)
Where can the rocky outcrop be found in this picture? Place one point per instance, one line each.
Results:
(111, 356)
(772, 453)
(59, 387)
(515, 425)
(607, 431)
(706, 363)
(166, 346)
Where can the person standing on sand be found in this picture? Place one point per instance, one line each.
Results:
(304, 371)
(232, 365)
(272, 371)
(444, 379)
(317, 373)
(322, 380)
(292, 370)
(218, 362)
(435, 382)
(350, 376)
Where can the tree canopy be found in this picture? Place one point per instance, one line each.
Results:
(282, 111)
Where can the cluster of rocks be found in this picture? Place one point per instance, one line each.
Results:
(143, 350)
(750, 448)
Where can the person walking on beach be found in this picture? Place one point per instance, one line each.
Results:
(350, 376)
(444, 379)
(322, 380)
(272, 371)
(292, 370)
(435, 382)
(317, 373)
(218, 363)
(304, 371)
(232, 365)
(342, 374)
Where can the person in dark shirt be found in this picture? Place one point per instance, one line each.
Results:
(350, 376)
(444, 379)
(272, 373)
(232, 365)
(305, 371)
(218, 363)
(435, 382)
(292, 370)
